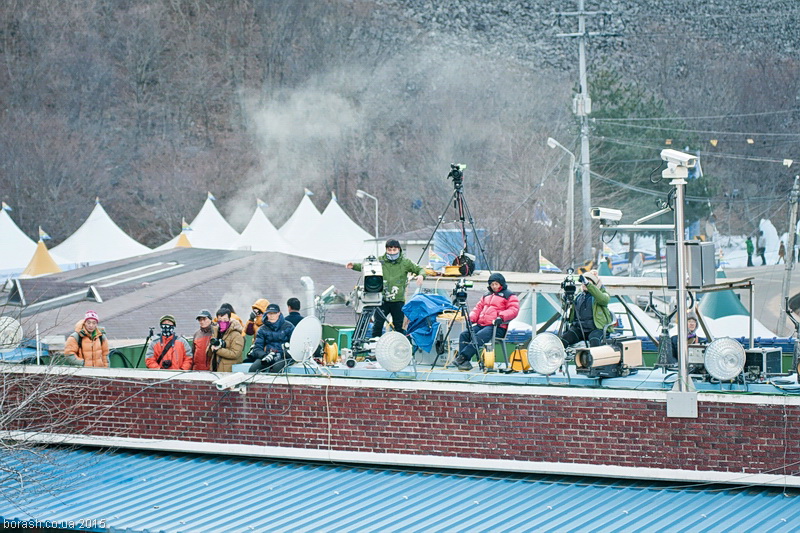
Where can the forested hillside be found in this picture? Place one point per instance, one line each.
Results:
(150, 104)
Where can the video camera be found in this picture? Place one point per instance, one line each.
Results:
(569, 287)
(456, 174)
(460, 291)
(217, 342)
(370, 294)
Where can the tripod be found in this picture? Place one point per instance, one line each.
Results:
(462, 312)
(360, 333)
(665, 356)
(464, 261)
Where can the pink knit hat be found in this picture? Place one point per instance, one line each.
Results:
(92, 315)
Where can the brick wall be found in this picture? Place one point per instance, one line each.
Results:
(547, 427)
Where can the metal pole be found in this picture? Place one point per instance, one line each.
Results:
(364, 194)
(377, 247)
(789, 257)
(552, 143)
(571, 209)
(584, 108)
(683, 384)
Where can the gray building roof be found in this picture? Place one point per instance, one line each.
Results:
(130, 295)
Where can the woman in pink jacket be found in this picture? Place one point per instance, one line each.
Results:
(491, 314)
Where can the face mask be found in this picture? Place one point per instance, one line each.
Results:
(223, 326)
(392, 257)
(167, 330)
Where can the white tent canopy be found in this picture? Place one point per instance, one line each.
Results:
(209, 229)
(16, 248)
(261, 236)
(336, 238)
(302, 220)
(98, 240)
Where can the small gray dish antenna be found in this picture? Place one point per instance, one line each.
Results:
(305, 339)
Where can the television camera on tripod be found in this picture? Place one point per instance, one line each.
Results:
(465, 260)
(367, 300)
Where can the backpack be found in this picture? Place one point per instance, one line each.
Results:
(77, 336)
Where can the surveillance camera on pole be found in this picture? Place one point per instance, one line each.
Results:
(606, 215)
(682, 400)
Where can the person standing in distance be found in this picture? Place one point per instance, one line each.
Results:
(294, 315)
(396, 268)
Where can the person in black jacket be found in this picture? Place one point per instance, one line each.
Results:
(268, 351)
(294, 315)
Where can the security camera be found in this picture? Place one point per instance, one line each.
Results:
(233, 382)
(678, 158)
(605, 214)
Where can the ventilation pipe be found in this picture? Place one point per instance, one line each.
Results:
(308, 306)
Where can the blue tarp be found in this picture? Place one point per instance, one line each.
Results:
(421, 311)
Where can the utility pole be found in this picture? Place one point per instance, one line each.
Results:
(794, 196)
(582, 107)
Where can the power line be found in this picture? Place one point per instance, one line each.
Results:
(706, 117)
(722, 155)
(701, 199)
(711, 132)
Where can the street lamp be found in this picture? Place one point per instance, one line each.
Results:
(552, 143)
(363, 194)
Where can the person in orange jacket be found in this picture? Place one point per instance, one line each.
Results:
(88, 343)
(256, 317)
(169, 350)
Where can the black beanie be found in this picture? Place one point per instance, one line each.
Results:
(393, 243)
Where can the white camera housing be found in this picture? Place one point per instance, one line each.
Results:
(606, 214)
(677, 158)
(233, 382)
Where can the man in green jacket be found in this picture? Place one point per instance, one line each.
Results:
(396, 268)
(590, 313)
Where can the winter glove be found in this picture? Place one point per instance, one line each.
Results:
(252, 316)
(498, 321)
(583, 280)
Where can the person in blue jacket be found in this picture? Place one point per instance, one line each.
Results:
(269, 352)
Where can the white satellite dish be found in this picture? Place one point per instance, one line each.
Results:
(10, 334)
(305, 339)
(393, 351)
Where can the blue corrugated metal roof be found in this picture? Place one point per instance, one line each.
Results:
(149, 491)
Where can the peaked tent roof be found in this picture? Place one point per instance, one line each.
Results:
(16, 248)
(183, 241)
(261, 236)
(209, 230)
(335, 237)
(98, 240)
(305, 216)
(41, 263)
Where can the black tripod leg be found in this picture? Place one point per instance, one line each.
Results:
(438, 223)
(446, 340)
(465, 209)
